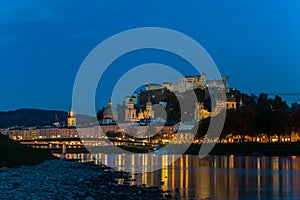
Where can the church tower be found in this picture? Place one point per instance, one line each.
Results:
(130, 112)
(241, 102)
(56, 121)
(149, 104)
(149, 113)
(71, 122)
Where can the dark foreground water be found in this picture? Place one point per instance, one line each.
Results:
(215, 177)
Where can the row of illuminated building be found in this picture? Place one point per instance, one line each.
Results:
(158, 134)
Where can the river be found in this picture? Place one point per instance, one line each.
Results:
(215, 177)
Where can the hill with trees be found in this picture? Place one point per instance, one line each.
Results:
(30, 117)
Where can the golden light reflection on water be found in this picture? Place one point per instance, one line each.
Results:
(216, 177)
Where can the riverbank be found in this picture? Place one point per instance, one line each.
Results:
(251, 149)
(60, 179)
(13, 154)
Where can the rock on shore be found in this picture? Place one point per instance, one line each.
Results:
(58, 179)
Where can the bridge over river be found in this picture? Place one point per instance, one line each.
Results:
(78, 145)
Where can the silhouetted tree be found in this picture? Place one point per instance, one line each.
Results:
(245, 122)
(100, 114)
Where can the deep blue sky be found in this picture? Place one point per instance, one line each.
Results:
(43, 43)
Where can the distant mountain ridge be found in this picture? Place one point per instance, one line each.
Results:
(30, 117)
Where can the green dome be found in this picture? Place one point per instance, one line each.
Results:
(131, 101)
(110, 111)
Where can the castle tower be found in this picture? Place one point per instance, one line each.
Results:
(225, 81)
(71, 122)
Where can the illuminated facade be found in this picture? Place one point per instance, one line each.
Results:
(184, 83)
(71, 121)
(231, 102)
(148, 113)
(191, 82)
(130, 112)
(200, 112)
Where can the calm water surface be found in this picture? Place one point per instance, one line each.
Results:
(215, 177)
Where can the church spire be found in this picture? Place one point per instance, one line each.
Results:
(130, 103)
(241, 102)
(109, 104)
(56, 121)
(148, 104)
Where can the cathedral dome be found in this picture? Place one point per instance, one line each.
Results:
(130, 101)
(110, 111)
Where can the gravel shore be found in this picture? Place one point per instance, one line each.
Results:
(60, 179)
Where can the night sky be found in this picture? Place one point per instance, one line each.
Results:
(43, 43)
